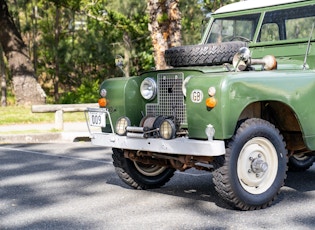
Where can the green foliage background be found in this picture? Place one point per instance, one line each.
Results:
(91, 35)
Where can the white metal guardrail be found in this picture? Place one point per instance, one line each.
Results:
(59, 109)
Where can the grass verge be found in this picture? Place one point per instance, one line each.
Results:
(23, 115)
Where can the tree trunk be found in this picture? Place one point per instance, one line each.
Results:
(57, 40)
(26, 89)
(127, 53)
(3, 81)
(165, 28)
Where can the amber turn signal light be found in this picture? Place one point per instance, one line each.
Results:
(211, 102)
(102, 102)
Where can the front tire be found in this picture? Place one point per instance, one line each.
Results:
(139, 175)
(255, 166)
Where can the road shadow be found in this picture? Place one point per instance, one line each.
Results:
(301, 181)
(33, 179)
(197, 185)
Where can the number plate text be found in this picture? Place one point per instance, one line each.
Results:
(97, 119)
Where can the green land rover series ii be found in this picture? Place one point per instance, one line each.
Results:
(239, 105)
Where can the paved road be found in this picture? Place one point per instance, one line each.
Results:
(44, 133)
(74, 186)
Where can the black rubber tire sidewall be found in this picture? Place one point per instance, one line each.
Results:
(126, 170)
(296, 165)
(258, 130)
(201, 55)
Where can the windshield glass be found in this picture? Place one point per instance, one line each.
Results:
(237, 28)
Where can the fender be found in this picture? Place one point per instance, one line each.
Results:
(235, 91)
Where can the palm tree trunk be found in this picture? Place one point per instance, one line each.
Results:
(165, 27)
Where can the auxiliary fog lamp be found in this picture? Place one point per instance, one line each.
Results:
(164, 127)
(167, 129)
(121, 126)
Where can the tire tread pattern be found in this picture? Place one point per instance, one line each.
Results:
(201, 55)
(127, 172)
(296, 165)
(221, 178)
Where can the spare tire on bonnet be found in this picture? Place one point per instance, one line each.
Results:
(206, 54)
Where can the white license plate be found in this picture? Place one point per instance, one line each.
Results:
(97, 119)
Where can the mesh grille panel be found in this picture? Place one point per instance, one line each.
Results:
(170, 97)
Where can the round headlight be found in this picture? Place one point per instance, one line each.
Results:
(121, 125)
(167, 129)
(148, 88)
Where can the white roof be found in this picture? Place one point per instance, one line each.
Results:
(252, 4)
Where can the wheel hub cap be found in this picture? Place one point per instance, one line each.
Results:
(259, 166)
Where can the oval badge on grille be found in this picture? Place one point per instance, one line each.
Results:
(196, 96)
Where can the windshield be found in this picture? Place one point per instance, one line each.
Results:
(237, 28)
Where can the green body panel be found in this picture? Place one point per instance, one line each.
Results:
(198, 115)
(296, 91)
(124, 98)
(295, 51)
(235, 91)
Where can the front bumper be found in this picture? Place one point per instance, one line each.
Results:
(178, 146)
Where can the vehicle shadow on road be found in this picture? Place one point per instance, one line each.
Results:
(301, 181)
(198, 186)
(191, 184)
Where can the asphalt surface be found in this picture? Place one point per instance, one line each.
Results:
(57, 180)
(74, 186)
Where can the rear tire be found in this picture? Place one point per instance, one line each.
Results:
(300, 163)
(139, 175)
(255, 166)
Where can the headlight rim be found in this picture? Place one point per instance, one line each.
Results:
(153, 93)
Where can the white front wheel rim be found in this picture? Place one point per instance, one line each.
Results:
(257, 165)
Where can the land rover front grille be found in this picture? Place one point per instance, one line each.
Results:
(170, 97)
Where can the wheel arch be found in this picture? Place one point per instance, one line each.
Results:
(282, 116)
